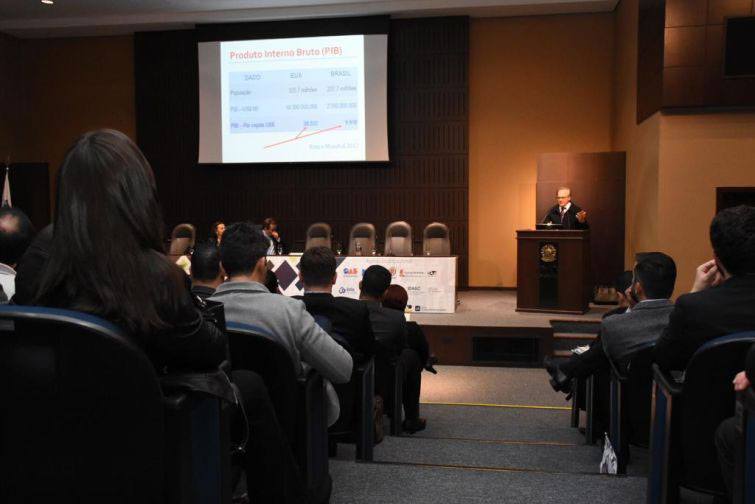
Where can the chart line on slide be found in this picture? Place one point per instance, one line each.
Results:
(301, 136)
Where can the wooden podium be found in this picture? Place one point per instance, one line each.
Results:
(553, 271)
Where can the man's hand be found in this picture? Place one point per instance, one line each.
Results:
(706, 276)
(582, 216)
(275, 235)
(630, 297)
(741, 382)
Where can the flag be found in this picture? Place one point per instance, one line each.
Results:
(6, 189)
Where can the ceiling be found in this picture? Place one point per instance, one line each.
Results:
(31, 18)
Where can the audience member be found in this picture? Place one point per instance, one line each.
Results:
(396, 298)
(107, 213)
(723, 295)
(728, 436)
(350, 318)
(622, 335)
(206, 273)
(31, 264)
(389, 327)
(216, 232)
(16, 233)
(594, 358)
(247, 300)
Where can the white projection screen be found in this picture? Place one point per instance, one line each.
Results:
(292, 100)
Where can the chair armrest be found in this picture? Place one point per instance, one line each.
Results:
(667, 382)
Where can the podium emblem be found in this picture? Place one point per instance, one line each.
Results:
(548, 253)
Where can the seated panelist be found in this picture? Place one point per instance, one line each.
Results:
(566, 213)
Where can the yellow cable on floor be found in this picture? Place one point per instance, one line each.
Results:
(485, 405)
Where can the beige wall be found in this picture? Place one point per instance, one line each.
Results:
(537, 85)
(698, 154)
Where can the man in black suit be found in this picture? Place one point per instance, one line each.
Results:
(350, 318)
(566, 213)
(722, 300)
(391, 332)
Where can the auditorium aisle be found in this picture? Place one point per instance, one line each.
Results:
(509, 441)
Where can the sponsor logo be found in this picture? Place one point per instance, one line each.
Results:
(409, 273)
(414, 288)
(392, 269)
(346, 290)
(350, 272)
(417, 308)
(432, 273)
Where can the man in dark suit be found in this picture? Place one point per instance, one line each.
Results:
(566, 213)
(350, 318)
(391, 332)
(723, 295)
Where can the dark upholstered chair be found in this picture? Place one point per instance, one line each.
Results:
(398, 239)
(362, 234)
(435, 240)
(299, 402)
(319, 234)
(685, 416)
(84, 417)
(631, 393)
(356, 424)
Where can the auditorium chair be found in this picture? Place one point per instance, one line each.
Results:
(319, 234)
(435, 240)
(357, 422)
(630, 399)
(685, 415)
(743, 490)
(364, 235)
(299, 402)
(84, 418)
(398, 239)
(182, 239)
(583, 393)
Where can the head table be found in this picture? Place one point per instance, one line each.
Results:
(430, 281)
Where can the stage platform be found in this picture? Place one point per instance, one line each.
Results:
(487, 330)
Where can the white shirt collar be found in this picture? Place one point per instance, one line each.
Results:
(567, 207)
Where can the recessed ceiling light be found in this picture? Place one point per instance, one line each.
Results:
(48, 2)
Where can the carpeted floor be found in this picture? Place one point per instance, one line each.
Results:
(517, 449)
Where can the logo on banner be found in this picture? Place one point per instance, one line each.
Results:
(417, 308)
(345, 290)
(392, 269)
(409, 273)
(414, 288)
(431, 273)
(350, 272)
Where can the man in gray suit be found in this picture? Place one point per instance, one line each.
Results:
(652, 286)
(246, 300)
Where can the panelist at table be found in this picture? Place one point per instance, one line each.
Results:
(566, 213)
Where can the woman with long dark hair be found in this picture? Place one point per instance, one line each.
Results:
(106, 258)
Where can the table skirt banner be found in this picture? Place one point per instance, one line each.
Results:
(429, 281)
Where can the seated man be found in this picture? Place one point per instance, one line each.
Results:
(389, 327)
(653, 284)
(723, 295)
(247, 300)
(206, 273)
(16, 233)
(350, 318)
(586, 363)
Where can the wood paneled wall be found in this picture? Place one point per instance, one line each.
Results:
(681, 48)
(426, 180)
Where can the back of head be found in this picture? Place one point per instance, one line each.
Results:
(242, 247)
(656, 273)
(106, 255)
(375, 281)
(317, 267)
(732, 235)
(395, 297)
(16, 233)
(205, 262)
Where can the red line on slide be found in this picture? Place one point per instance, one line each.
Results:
(300, 136)
(302, 131)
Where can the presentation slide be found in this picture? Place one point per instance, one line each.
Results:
(313, 99)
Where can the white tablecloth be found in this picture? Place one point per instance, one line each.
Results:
(429, 281)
